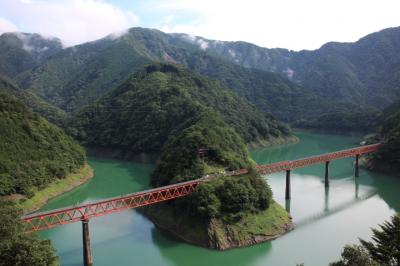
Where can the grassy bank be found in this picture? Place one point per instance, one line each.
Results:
(55, 189)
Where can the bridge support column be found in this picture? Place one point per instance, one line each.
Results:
(327, 173)
(87, 252)
(287, 192)
(356, 171)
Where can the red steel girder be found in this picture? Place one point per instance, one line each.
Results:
(49, 219)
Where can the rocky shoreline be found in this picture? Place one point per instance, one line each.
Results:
(213, 233)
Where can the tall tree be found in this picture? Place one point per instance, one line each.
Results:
(385, 247)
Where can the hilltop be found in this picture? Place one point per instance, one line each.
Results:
(160, 101)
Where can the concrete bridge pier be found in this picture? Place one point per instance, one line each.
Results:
(287, 192)
(87, 252)
(327, 173)
(356, 171)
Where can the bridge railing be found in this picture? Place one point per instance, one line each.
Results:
(289, 165)
(49, 219)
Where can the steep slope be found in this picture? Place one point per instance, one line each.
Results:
(161, 100)
(33, 102)
(23, 51)
(387, 159)
(33, 152)
(365, 72)
(81, 74)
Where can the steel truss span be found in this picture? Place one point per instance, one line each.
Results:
(50, 219)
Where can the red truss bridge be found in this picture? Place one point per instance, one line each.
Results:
(84, 212)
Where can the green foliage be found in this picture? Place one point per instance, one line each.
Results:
(18, 248)
(80, 75)
(230, 197)
(33, 102)
(160, 101)
(363, 121)
(364, 73)
(33, 152)
(180, 159)
(354, 256)
(385, 245)
(23, 51)
(389, 136)
(383, 250)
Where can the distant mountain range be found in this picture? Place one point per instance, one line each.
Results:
(366, 72)
(292, 86)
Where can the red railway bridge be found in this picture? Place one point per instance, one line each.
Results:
(84, 212)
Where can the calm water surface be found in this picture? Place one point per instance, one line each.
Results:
(326, 219)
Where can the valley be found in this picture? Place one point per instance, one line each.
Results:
(147, 109)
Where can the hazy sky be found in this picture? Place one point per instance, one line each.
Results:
(293, 24)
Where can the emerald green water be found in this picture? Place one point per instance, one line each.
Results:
(325, 220)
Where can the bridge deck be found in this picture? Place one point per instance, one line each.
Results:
(49, 219)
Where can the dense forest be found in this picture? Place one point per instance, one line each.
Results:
(160, 101)
(33, 102)
(387, 158)
(33, 152)
(366, 121)
(18, 247)
(74, 77)
(223, 205)
(364, 73)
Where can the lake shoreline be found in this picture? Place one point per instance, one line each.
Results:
(55, 189)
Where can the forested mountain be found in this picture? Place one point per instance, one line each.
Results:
(160, 101)
(365, 72)
(387, 158)
(33, 152)
(33, 102)
(23, 51)
(81, 74)
(338, 77)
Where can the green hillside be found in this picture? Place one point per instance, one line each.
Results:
(161, 100)
(79, 75)
(387, 159)
(33, 152)
(33, 102)
(364, 73)
(23, 51)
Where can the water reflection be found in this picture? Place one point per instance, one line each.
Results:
(287, 205)
(326, 205)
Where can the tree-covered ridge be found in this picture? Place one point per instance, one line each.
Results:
(23, 51)
(33, 152)
(33, 102)
(387, 158)
(365, 72)
(224, 212)
(366, 121)
(211, 146)
(80, 75)
(208, 145)
(159, 102)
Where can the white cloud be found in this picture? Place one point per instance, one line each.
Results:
(74, 21)
(7, 26)
(293, 24)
